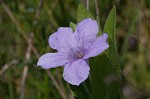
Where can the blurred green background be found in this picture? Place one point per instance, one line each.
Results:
(25, 26)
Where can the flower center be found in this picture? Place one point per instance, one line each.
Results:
(79, 54)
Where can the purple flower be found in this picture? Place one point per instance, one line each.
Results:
(74, 49)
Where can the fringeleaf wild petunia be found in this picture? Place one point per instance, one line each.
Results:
(74, 50)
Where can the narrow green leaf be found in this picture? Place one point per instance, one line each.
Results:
(110, 24)
(105, 69)
(109, 28)
(83, 13)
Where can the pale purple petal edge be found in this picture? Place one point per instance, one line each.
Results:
(52, 60)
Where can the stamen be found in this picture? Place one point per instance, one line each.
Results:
(79, 54)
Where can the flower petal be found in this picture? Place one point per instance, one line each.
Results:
(76, 72)
(63, 40)
(98, 46)
(53, 41)
(52, 60)
(86, 32)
